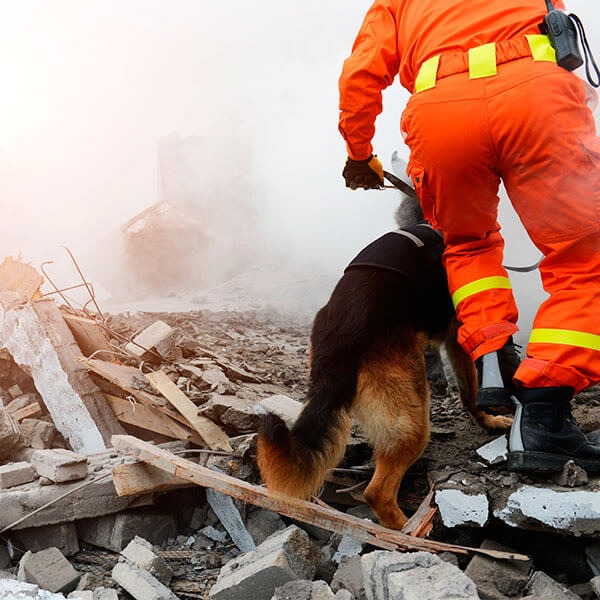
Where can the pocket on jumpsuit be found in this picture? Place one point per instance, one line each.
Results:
(418, 175)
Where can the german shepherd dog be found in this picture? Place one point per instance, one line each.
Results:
(368, 347)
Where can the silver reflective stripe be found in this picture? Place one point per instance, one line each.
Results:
(492, 377)
(515, 441)
(411, 237)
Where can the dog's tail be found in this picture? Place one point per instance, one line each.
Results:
(296, 462)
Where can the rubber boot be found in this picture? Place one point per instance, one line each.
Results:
(495, 372)
(544, 435)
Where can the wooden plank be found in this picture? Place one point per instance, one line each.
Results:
(211, 433)
(28, 412)
(141, 415)
(16, 276)
(294, 508)
(133, 479)
(130, 380)
(90, 337)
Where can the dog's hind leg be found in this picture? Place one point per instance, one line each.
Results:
(466, 377)
(392, 407)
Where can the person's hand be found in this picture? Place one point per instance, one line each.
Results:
(366, 174)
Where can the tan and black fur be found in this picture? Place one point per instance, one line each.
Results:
(368, 361)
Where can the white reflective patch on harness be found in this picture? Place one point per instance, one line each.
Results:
(492, 378)
(411, 237)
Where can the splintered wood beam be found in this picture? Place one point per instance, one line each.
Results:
(211, 433)
(134, 479)
(140, 415)
(321, 516)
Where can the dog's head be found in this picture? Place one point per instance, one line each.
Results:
(409, 213)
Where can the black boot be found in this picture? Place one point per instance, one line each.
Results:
(544, 435)
(495, 372)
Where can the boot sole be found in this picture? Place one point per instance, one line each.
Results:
(546, 462)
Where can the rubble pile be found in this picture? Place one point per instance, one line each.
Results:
(127, 470)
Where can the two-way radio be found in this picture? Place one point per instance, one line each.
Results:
(563, 31)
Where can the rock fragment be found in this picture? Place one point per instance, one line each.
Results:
(14, 474)
(49, 569)
(543, 586)
(285, 556)
(498, 579)
(140, 584)
(141, 553)
(391, 575)
(60, 465)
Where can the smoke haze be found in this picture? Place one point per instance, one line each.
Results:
(89, 88)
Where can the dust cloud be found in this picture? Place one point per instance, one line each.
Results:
(90, 88)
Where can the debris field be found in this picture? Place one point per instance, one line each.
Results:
(127, 470)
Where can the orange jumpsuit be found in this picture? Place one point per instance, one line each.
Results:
(525, 122)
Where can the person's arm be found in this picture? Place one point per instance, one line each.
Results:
(371, 67)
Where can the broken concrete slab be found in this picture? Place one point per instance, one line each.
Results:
(40, 342)
(543, 586)
(60, 465)
(14, 474)
(304, 590)
(498, 579)
(11, 438)
(347, 548)
(159, 338)
(235, 414)
(282, 406)
(349, 577)
(141, 553)
(230, 518)
(573, 512)
(459, 508)
(97, 499)
(114, 532)
(140, 584)
(62, 536)
(50, 570)
(262, 523)
(391, 575)
(285, 556)
(19, 590)
(494, 452)
(38, 434)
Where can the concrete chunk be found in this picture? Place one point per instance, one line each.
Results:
(114, 532)
(81, 595)
(38, 434)
(11, 438)
(347, 548)
(303, 590)
(141, 553)
(160, 338)
(498, 579)
(392, 575)
(285, 556)
(50, 570)
(543, 586)
(494, 452)
(62, 536)
(14, 474)
(17, 590)
(349, 577)
(140, 584)
(60, 465)
(282, 406)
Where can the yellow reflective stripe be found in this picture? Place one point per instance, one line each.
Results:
(427, 74)
(482, 61)
(565, 337)
(541, 48)
(481, 285)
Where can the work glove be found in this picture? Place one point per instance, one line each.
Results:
(366, 174)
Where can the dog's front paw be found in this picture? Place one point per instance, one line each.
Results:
(493, 423)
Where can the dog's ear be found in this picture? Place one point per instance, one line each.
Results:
(409, 213)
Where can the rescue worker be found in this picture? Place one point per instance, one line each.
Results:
(488, 103)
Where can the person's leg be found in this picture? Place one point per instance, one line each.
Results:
(551, 169)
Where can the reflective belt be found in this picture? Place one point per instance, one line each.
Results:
(566, 338)
(481, 285)
(482, 61)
